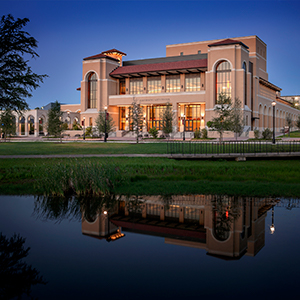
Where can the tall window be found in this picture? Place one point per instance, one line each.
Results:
(92, 90)
(122, 118)
(192, 82)
(245, 82)
(193, 117)
(122, 87)
(136, 85)
(154, 116)
(154, 85)
(172, 83)
(223, 79)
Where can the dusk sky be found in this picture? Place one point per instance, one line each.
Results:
(69, 30)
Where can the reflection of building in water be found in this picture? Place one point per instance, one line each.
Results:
(223, 226)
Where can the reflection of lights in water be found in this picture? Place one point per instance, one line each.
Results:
(272, 227)
(105, 212)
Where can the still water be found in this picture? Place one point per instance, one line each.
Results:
(152, 247)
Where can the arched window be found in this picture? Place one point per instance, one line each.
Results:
(223, 79)
(245, 82)
(92, 90)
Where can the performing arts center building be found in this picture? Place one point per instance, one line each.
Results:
(190, 78)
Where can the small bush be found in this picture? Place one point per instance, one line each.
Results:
(89, 131)
(65, 126)
(256, 134)
(204, 133)
(197, 134)
(267, 134)
(154, 132)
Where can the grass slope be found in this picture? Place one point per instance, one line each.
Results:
(163, 176)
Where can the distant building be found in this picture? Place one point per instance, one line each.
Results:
(294, 100)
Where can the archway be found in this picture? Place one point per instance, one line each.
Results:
(30, 121)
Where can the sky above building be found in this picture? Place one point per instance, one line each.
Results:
(70, 30)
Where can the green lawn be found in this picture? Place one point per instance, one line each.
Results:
(294, 134)
(44, 148)
(165, 176)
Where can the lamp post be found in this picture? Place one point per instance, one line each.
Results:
(183, 121)
(273, 104)
(105, 134)
(84, 128)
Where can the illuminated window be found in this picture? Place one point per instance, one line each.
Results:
(122, 118)
(172, 83)
(136, 85)
(192, 82)
(223, 79)
(154, 116)
(154, 85)
(122, 87)
(92, 90)
(193, 117)
(245, 82)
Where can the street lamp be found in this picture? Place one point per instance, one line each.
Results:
(84, 128)
(183, 121)
(273, 104)
(105, 134)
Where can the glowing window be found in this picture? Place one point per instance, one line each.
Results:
(223, 79)
(172, 83)
(92, 90)
(192, 82)
(136, 85)
(154, 85)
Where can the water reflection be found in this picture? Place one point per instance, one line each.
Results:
(226, 227)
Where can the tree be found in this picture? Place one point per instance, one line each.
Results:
(223, 120)
(298, 122)
(289, 122)
(17, 277)
(100, 123)
(8, 123)
(54, 126)
(136, 119)
(167, 119)
(237, 118)
(16, 78)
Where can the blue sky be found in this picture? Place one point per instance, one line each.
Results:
(69, 30)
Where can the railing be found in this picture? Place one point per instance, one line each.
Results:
(232, 147)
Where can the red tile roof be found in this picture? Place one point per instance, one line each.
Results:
(228, 42)
(99, 56)
(167, 66)
(114, 50)
(269, 84)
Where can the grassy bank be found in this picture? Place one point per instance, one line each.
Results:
(164, 176)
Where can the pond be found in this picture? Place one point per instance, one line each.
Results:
(154, 247)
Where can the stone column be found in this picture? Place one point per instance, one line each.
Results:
(26, 126)
(36, 127)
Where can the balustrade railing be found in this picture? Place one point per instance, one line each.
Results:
(231, 147)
